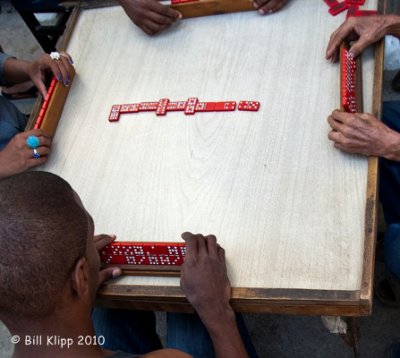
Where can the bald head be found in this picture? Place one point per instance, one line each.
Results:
(43, 232)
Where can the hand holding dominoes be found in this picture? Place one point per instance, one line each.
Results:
(364, 30)
(362, 133)
(269, 6)
(150, 15)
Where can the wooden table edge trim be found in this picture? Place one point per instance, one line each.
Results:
(371, 220)
(292, 301)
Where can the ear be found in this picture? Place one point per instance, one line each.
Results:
(80, 279)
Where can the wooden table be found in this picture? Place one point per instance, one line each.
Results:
(296, 216)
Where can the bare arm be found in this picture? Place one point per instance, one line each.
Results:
(205, 281)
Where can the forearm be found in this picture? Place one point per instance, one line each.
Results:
(224, 333)
(15, 71)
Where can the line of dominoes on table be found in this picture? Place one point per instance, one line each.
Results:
(352, 7)
(189, 107)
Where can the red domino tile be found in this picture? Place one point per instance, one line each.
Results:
(190, 107)
(133, 108)
(148, 106)
(38, 121)
(337, 9)
(205, 107)
(129, 108)
(366, 13)
(174, 2)
(355, 2)
(53, 83)
(176, 106)
(331, 3)
(124, 108)
(348, 77)
(162, 107)
(225, 106)
(249, 106)
(114, 113)
(352, 11)
(144, 253)
(45, 104)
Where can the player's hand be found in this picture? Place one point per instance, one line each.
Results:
(204, 277)
(17, 157)
(38, 69)
(100, 241)
(364, 30)
(151, 16)
(362, 133)
(269, 6)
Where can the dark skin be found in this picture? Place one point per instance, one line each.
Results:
(362, 133)
(72, 317)
(17, 71)
(266, 7)
(205, 281)
(153, 17)
(16, 157)
(149, 15)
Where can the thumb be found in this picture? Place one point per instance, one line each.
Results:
(359, 46)
(109, 272)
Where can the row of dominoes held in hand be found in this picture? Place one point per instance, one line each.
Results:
(348, 82)
(144, 253)
(352, 7)
(189, 107)
(45, 104)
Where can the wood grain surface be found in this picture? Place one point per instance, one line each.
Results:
(288, 208)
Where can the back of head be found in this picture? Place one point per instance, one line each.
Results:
(43, 231)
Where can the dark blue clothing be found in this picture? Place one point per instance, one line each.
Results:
(135, 332)
(12, 121)
(389, 188)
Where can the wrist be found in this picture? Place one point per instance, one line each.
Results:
(392, 147)
(216, 316)
(392, 25)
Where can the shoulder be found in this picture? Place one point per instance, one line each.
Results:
(167, 353)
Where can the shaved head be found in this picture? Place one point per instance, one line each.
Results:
(43, 232)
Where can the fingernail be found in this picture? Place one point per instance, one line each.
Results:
(116, 273)
(270, 11)
(66, 82)
(351, 54)
(180, 16)
(59, 77)
(261, 11)
(254, 4)
(71, 61)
